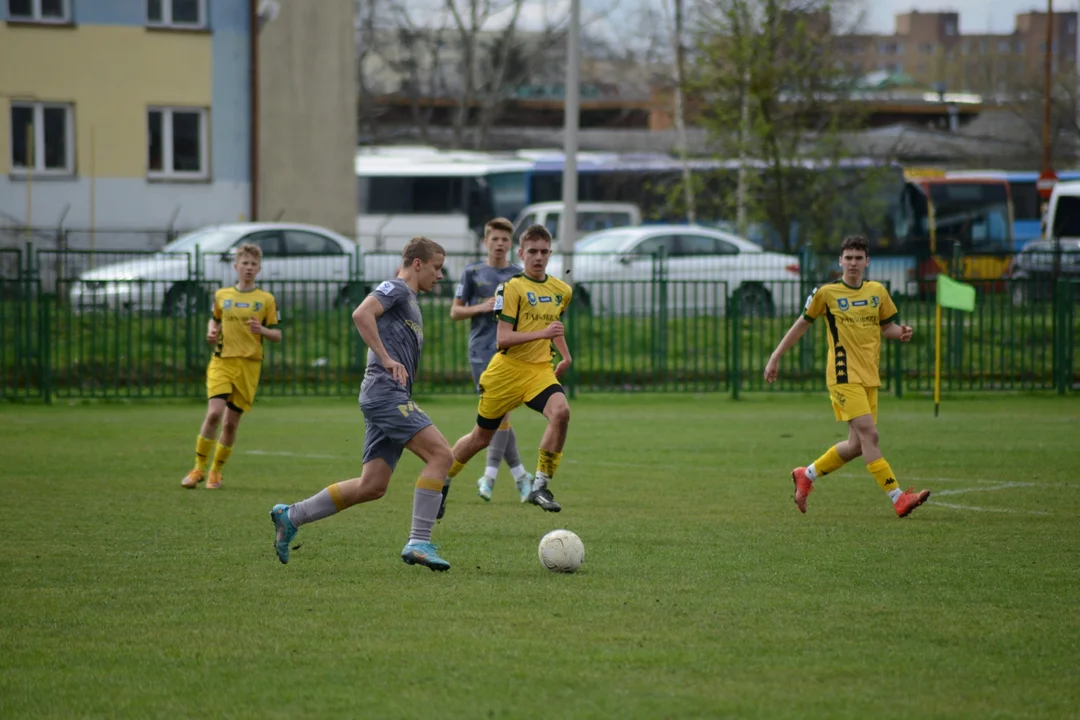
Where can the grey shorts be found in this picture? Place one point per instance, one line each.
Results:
(478, 369)
(390, 423)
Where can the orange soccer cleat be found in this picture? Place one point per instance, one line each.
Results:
(214, 482)
(909, 501)
(803, 487)
(192, 479)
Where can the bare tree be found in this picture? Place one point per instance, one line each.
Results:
(777, 97)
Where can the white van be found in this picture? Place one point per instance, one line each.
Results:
(1063, 212)
(591, 217)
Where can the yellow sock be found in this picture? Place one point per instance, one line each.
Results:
(203, 446)
(829, 462)
(883, 474)
(221, 456)
(456, 468)
(548, 463)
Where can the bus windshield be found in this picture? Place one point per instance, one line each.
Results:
(939, 214)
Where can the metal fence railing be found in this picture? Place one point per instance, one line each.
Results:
(652, 335)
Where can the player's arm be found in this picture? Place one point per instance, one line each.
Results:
(364, 317)
(564, 351)
(894, 331)
(891, 329)
(213, 330)
(793, 335)
(460, 311)
(264, 327)
(213, 325)
(507, 337)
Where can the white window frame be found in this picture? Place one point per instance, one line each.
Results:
(167, 172)
(37, 17)
(39, 139)
(167, 21)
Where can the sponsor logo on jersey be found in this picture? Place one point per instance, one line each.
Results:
(859, 303)
(385, 287)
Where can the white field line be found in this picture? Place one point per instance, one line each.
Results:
(982, 509)
(289, 454)
(1002, 486)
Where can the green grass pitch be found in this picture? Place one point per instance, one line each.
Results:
(704, 592)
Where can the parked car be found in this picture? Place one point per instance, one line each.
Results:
(182, 276)
(1032, 269)
(591, 217)
(616, 272)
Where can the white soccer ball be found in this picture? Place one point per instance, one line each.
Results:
(561, 551)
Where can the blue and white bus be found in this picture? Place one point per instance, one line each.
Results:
(1027, 205)
(447, 195)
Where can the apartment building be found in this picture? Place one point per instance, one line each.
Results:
(149, 113)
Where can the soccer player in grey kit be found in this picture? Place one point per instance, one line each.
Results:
(390, 323)
(475, 300)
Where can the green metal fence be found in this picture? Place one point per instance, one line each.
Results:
(652, 335)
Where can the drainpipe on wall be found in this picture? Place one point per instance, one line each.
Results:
(253, 81)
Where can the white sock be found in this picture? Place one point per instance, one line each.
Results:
(519, 472)
(491, 473)
(895, 494)
(540, 482)
(811, 473)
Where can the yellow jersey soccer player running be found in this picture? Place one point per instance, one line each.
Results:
(528, 308)
(859, 313)
(243, 316)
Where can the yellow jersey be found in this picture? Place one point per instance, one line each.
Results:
(233, 309)
(855, 317)
(531, 305)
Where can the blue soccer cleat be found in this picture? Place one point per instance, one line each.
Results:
(484, 487)
(524, 486)
(424, 554)
(286, 531)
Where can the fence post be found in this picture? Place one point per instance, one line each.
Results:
(735, 366)
(571, 335)
(44, 354)
(1062, 335)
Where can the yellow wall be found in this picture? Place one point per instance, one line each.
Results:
(110, 74)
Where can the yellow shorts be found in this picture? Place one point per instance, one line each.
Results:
(238, 378)
(851, 401)
(507, 384)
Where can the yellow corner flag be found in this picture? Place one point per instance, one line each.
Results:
(955, 296)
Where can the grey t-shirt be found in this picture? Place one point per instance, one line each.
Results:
(401, 329)
(478, 283)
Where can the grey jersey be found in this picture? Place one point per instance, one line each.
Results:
(401, 329)
(478, 283)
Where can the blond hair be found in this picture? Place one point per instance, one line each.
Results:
(422, 249)
(249, 249)
(499, 223)
(536, 233)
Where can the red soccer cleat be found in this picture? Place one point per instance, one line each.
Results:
(803, 487)
(909, 501)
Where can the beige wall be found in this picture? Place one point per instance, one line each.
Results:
(307, 115)
(110, 75)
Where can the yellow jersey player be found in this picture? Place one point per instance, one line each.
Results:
(243, 316)
(858, 314)
(528, 308)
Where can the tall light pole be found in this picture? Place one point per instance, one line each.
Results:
(1047, 86)
(571, 111)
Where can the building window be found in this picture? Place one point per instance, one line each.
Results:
(926, 48)
(1018, 47)
(950, 28)
(40, 11)
(1004, 46)
(177, 144)
(184, 14)
(42, 138)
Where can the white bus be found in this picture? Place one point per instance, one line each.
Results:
(447, 195)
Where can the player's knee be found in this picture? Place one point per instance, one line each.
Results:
(232, 421)
(442, 458)
(869, 437)
(560, 415)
